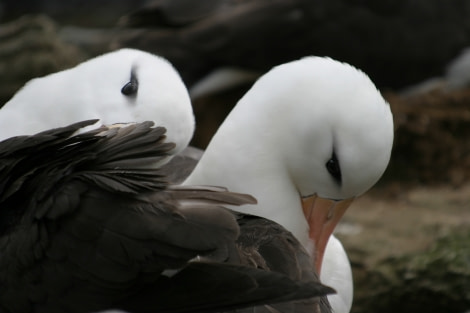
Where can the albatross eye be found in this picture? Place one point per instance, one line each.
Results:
(131, 88)
(333, 168)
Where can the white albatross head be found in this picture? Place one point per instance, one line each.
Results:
(306, 139)
(123, 86)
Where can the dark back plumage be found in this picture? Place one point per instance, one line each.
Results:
(262, 244)
(88, 222)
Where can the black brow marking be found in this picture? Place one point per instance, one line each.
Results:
(131, 88)
(333, 167)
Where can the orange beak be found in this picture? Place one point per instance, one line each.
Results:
(322, 216)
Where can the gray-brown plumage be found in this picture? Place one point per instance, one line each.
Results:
(270, 246)
(262, 244)
(86, 224)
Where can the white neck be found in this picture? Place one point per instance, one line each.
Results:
(228, 161)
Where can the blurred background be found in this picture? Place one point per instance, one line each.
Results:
(409, 237)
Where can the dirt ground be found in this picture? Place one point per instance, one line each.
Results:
(389, 222)
(392, 225)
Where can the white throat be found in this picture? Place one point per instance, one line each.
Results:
(243, 157)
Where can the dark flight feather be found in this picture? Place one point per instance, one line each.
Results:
(89, 223)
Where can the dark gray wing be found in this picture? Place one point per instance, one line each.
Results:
(267, 245)
(86, 224)
(263, 244)
(182, 164)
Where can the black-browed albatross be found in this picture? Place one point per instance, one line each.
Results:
(306, 139)
(130, 85)
(122, 86)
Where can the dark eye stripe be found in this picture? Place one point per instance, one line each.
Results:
(332, 165)
(131, 88)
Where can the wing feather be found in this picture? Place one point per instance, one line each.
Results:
(88, 223)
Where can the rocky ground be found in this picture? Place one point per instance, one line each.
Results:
(410, 251)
